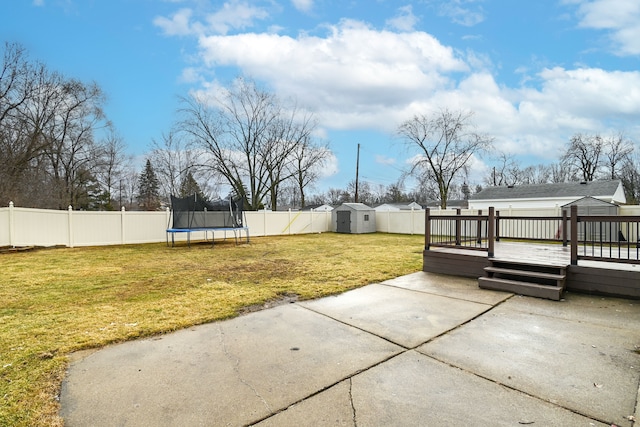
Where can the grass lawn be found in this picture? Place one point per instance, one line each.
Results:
(57, 301)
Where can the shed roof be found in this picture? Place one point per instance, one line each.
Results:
(588, 201)
(357, 206)
(544, 191)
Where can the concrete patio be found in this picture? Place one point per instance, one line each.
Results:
(423, 349)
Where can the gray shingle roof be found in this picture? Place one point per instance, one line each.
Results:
(357, 206)
(542, 191)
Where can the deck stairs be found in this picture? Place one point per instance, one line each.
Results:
(525, 278)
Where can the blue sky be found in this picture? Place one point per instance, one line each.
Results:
(533, 72)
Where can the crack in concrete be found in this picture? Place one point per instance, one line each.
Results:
(353, 406)
(236, 363)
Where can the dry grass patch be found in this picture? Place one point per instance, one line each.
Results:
(55, 302)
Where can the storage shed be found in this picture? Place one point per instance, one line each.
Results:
(604, 231)
(354, 218)
(591, 206)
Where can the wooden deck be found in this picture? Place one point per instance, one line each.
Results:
(606, 278)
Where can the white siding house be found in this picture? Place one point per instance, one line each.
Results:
(394, 207)
(547, 195)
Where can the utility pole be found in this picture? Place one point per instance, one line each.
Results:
(357, 167)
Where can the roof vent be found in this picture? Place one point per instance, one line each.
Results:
(509, 186)
(583, 182)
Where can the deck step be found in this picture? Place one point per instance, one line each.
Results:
(525, 278)
(521, 288)
(526, 273)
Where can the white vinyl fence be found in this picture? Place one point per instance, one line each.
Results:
(43, 227)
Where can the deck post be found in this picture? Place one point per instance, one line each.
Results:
(427, 229)
(491, 231)
(574, 235)
(564, 228)
(497, 226)
(479, 226)
(458, 226)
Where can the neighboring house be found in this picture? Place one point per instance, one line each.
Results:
(451, 204)
(547, 195)
(386, 207)
(318, 208)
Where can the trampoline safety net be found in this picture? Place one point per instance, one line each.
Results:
(192, 212)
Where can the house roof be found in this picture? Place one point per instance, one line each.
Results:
(316, 206)
(450, 204)
(544, 191)
(401, 206)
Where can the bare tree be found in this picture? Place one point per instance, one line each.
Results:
(249, 138)
(536, 174)
(336, 196)
(287, 136)
(20, 142)
(617, 150)
(583, 154)
(446, 140)
(110, 167)
(47, 126)
(506, 172)
(306, 161)
(630, 177)
(173, 161)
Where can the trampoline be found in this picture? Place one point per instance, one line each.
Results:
(194, 214)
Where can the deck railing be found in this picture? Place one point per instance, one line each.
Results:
(599, 238)
(461, 231)
(605, 238)
(532, 228)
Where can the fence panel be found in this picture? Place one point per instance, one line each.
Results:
(267, 223)
(146, 227)
(40, 227)
(401, 222)
(5, 226)
(96, 228)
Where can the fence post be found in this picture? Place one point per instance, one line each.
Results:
(412, 222)
(12, 231)
(491, 231)
(70, 225)
(564, 228)
(479, 226)
(122, 224)
(458, 226)
(427, 229)
(574, 235)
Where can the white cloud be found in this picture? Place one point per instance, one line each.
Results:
(356, 77)
(620, 17)
(233, 15)
(384, 160)
(349, 76)
(461, 12)
(405, 20)
(303, 5)
(177, 25)
(38, 2)
(330, 167)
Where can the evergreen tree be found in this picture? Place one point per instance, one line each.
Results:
(190, 186)
(148, 189)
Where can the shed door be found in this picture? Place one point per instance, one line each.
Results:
(344, 222)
